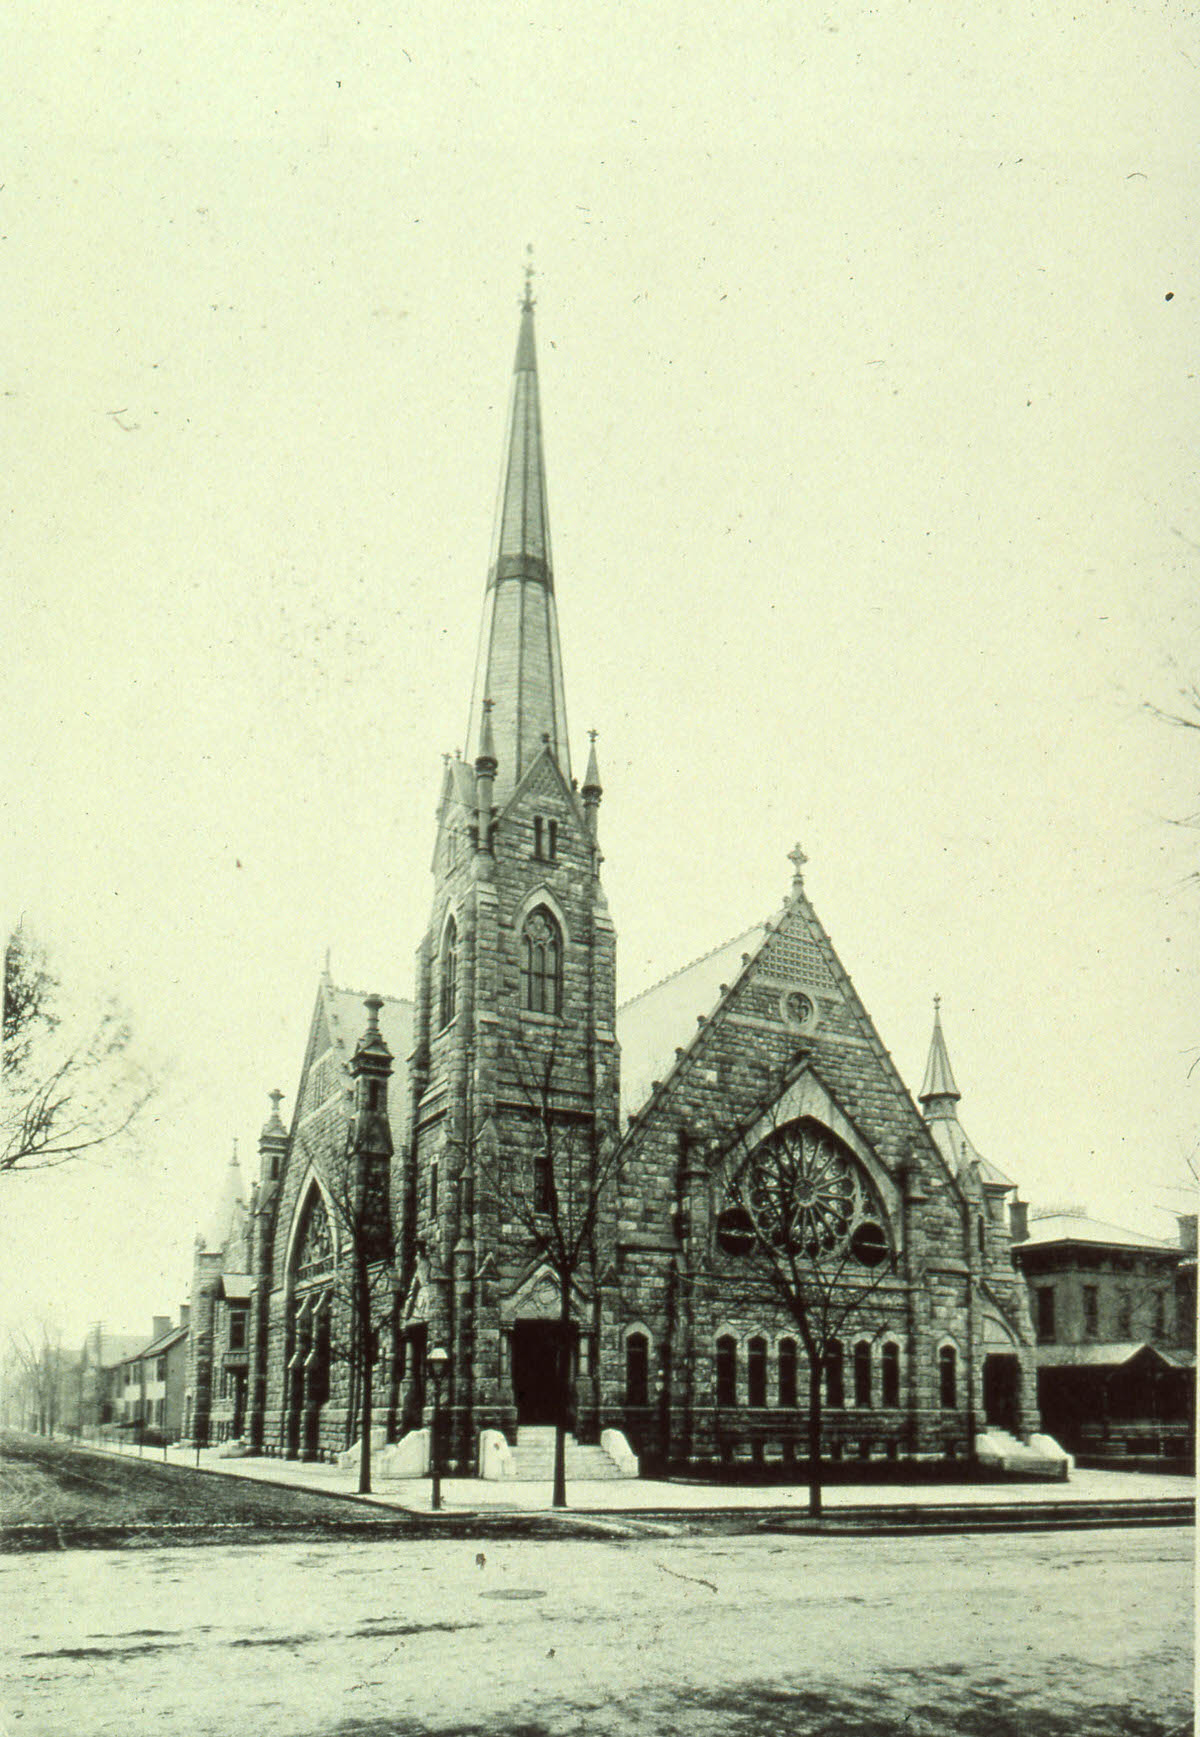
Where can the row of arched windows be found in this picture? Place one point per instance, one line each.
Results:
(869, 1386)
(866, 1388)
(541, 958)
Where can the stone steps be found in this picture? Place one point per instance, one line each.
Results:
(533, 1458)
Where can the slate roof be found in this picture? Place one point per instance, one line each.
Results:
(1078, 1227)
(939, 1075)
(347, 1020)
(519, 665)
(156, 1347)
(651, 1025)
(229, 1211)
(960, 1151)
(237, 1287)
(1108, 1354)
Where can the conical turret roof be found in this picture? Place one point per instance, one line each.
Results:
(938, 1093)
(229, 1208)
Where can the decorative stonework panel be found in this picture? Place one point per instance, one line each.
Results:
(797, 960)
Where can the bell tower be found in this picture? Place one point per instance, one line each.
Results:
(515, 1057)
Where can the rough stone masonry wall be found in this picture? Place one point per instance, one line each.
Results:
(675, 1284)
(318, 1137)
(484, 1071)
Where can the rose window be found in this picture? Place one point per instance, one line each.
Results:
(803, 1191)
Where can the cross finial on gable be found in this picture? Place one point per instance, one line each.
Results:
(797, 859)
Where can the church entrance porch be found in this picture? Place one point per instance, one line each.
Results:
(543, 1359)
(1002, 1390)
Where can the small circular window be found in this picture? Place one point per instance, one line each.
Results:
(798, 1010)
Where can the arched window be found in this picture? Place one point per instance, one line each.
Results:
(637, 1367)
(726, 1370)
(756, 1372)
(449, 974)
(948, 1377)
(541, 963)
(891, 1374)
(835, 1386)
(314, 1245)
(787, 1372)
(862, 1373)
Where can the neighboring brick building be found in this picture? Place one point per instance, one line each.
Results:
(149, 1385)
(1115, 1319)
(474, 1120)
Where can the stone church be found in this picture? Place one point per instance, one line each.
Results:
(559, 1192)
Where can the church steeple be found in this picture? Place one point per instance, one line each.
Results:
(520, 665)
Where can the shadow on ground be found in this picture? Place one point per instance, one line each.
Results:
(904, 1704)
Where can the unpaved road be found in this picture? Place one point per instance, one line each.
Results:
(1044, 1635)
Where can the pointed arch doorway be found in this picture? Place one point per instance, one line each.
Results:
(544, 1356)
(544, 1350)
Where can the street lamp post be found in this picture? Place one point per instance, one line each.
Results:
(436, 1364)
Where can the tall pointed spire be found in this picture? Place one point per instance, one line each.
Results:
(520, 665)
(939, 1095)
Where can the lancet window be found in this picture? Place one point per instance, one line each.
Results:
(541, 963)
(314, 1247)
(448, 1005)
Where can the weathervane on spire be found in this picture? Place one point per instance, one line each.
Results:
(528, 301)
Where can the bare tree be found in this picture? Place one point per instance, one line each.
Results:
(365, 1283)
(802, 1217)
(38, 1376)
(69, 1082)
(551, 1189)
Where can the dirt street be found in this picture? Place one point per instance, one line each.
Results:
(1038, 1635)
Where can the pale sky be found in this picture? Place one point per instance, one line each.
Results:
(867, 341)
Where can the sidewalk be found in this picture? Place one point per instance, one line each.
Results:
(645, 1495)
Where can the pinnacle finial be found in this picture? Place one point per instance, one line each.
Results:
(592, 789)
(797, 859)
(527, 300)
(276, 1098)
(485, 758)
(937, 1005)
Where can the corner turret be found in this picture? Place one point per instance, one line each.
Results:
(939, 1095)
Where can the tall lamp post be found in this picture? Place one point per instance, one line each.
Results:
(436, 1363)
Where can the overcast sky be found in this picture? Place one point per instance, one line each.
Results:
(867, 340)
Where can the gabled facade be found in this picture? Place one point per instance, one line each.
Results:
(323, 1184)
(148, 1388)
(938, 1343)
(508, 1102)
